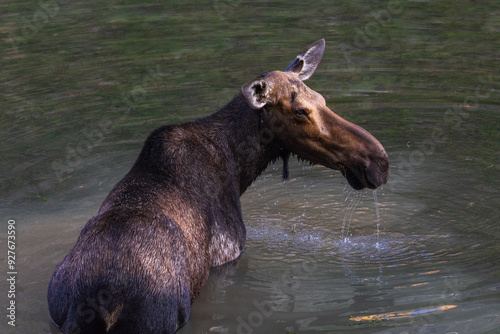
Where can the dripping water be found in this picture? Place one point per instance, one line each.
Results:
(377, 220)
(348, 212)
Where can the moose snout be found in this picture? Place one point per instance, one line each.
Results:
(376, 172)
(366, 162)
(367, 174)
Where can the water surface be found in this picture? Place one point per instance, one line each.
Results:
(82, 86)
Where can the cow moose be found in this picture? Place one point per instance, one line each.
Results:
(143, 258)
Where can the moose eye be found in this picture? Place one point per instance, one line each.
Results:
(300, 112)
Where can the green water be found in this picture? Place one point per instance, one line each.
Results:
(82, 83)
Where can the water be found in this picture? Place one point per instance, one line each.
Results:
(82, 88)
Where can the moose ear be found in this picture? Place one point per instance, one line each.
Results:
(305, 64)
(256, 93)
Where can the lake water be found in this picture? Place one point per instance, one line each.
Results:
(82, 85)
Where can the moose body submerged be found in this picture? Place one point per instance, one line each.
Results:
(140, 262)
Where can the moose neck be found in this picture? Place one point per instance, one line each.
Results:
(241, 133)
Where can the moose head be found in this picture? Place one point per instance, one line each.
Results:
(309, 129)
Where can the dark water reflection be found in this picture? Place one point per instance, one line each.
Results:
(82, 89)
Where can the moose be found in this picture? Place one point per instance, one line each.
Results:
(139, 263)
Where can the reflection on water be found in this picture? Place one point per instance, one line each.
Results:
(83, 83)
(399, 315)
